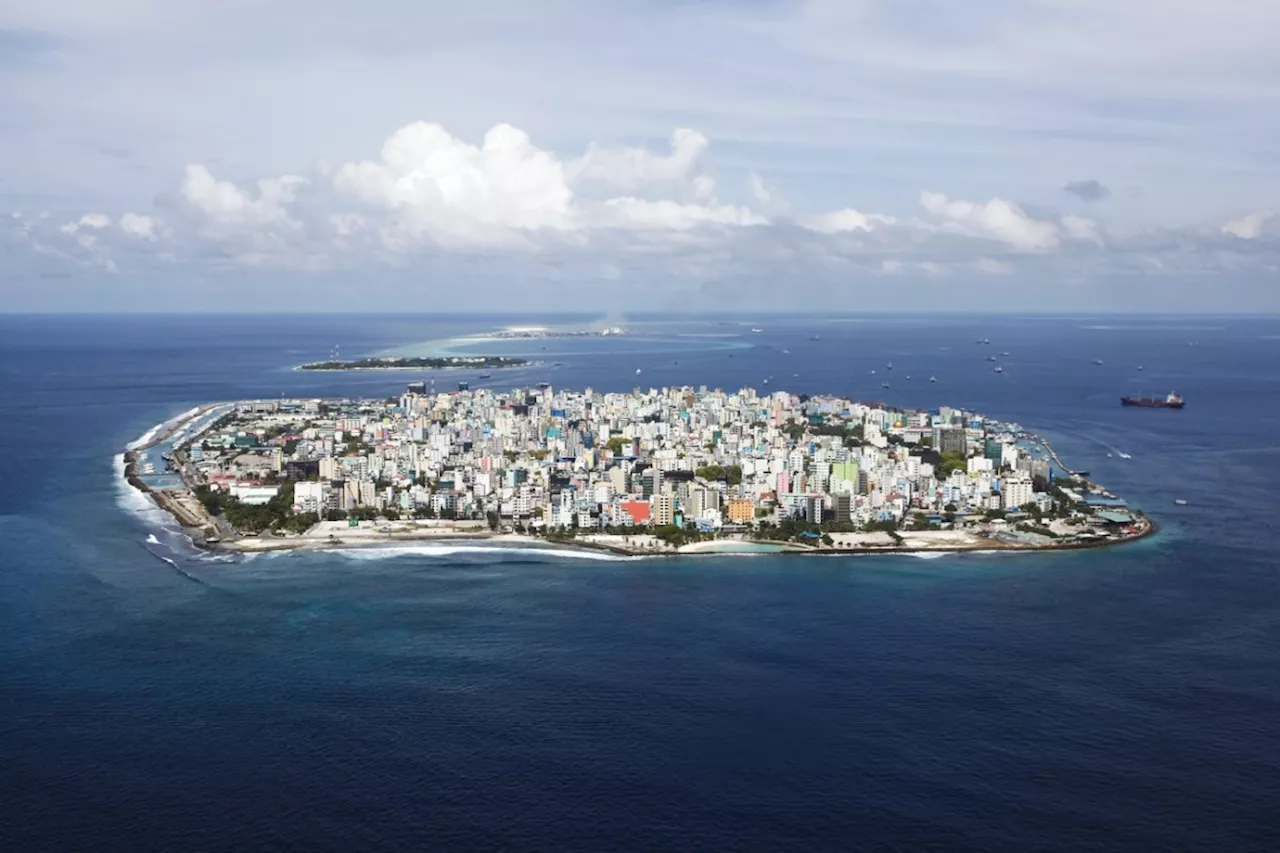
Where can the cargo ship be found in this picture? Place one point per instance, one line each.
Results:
(1173, 401)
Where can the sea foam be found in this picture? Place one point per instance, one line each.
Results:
(380, 552)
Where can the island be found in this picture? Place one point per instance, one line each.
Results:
(658, 471)
(416, 362)
(533, 332)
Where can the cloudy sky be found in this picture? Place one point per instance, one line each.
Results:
(1018, 155)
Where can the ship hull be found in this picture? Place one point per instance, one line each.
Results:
(1150, 404)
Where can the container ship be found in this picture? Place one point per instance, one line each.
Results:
(1173, 401)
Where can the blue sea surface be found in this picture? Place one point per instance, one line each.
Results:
(466, 698)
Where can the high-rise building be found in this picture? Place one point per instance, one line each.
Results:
(843, 506)
(663, 509)
(847, 471)
(814, 505)
(1015, 492)
(741, 510)
(950, 441)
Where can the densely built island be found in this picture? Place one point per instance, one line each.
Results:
(671, 470)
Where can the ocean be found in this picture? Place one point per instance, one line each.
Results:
(465, 698)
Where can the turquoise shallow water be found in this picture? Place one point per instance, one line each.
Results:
(471, 698)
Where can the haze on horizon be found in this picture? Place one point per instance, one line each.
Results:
(665, 155)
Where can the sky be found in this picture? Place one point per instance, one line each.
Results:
(561, 155)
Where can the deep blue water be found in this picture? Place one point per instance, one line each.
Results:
(1122, 699)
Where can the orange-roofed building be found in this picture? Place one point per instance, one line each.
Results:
(638, 510)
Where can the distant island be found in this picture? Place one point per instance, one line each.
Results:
(416, 362)
(649, 472)
(521, 332)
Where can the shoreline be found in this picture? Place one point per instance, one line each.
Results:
(197, 525)
(411, 367)
(717, 548)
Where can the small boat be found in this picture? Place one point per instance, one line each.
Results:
(1139, 366)
(766, 382)
(933, 379)
(884, 384)
(1179, 502)
(485, 375)
(873, 371)
(999, 369)
(757, 331)
(1124, 455)
(1098, 362)
(1005, 354)
(990, 358)
(815, 338)
(908, 378)
(637, 371)
(786, 352)
(889, 366)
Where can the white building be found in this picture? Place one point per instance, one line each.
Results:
(309, 497)
(1014, 492)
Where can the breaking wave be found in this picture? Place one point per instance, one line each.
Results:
(133, 500)
(150, 434)
(377, 552)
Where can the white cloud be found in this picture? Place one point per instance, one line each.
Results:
(1079, 228)
(443, 188)
(997, 219)
(94, 221)
(848, 219)
(139, 226)
(1248, 227)
(704, 188)
(505, 200)
(631, 168)
(225, 204)
(639, 213)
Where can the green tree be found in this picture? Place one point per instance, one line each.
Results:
(951, 461)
